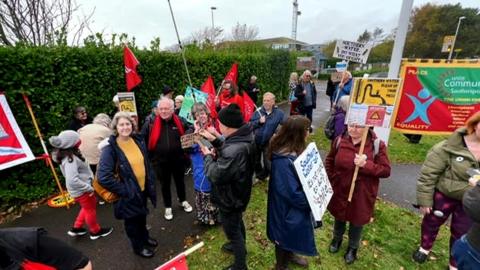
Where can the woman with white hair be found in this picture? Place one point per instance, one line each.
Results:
(178, 103)
(292, 85)
(91, 135)
(307, 95)
(252, 89)
(340, 114)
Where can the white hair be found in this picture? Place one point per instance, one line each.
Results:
(343, 103)
(269, 94)
(168, 100)
(102, 119)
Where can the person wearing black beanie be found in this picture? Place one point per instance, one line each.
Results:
(231, 173)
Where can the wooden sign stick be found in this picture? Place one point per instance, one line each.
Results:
(355, 173)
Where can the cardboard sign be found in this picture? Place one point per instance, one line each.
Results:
(14, 150)
(126, 103)
(372, 102)
(437, 97)
(336, 77)
(352, 51)
(314, 180)
(188, 140)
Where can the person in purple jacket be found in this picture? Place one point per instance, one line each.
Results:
(340, 114)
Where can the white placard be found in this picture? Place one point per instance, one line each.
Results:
(352, 51)
(314, 179)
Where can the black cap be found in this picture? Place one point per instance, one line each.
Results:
(167, 89)
(231, 116)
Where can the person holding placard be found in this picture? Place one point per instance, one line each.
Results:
(343, 88)
(340, 165)
(442, 183)
(289, 217)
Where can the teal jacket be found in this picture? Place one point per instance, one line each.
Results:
(445, 169)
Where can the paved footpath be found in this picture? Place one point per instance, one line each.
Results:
(113, 252)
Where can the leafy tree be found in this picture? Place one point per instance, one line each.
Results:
(430, 23)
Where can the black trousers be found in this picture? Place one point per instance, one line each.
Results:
(136, 229)
(354, 233)
(164, 172)
(262, 170)
(234, 229)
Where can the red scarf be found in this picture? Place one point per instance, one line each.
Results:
(155, 131)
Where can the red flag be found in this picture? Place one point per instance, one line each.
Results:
(131, 76)
(209, 88)
(177, 263)
(232, 74)
(249, 107)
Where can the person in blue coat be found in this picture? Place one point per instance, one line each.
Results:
(125, 170)
(265, 122)
(289, 217)
(207, 211)
(343, 88)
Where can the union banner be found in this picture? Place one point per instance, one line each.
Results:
(437, 97)
(14, 150)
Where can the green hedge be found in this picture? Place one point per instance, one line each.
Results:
(57, 79)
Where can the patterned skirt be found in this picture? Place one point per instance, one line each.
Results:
(207, 212)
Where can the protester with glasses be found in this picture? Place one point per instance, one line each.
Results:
(80, 119)
(307, 95)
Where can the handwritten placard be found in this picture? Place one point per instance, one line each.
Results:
(314, 179)
(188, 140)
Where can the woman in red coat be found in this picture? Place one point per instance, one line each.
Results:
(230, 94)
(340, 165)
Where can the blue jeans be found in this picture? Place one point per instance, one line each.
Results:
(466, 257)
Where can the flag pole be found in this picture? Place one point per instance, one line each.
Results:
(180, 44)
(47, 156)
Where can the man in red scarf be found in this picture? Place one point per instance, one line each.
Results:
(162, 135)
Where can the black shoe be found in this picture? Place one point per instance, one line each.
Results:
(102, 233)
(419, 256)
(227, 247)
(145, 253)
(335, 245)
(351, 255)
(152, 242)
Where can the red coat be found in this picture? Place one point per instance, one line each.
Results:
(225, 100)
(340, 168)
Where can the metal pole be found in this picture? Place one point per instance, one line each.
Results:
(180, 44)
(213, 24)
(400, 37)
(455, 38)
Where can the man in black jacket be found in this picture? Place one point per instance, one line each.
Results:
(162, 135)
(231, 175)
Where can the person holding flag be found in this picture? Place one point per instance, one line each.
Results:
(229, 94)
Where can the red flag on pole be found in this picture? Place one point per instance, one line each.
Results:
(177, 263)
(131, 76)
(209, 88)
(249, 107)
(232, 74)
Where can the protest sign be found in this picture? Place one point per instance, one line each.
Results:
(352, 51)
(305, 62)
(188, 140)
(341, 66)
(372, 102)
(189, 100)
(336, 76)
(14, 150)
(126, 103)
(314, 179)
(437, 97)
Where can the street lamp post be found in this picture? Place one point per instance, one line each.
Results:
(213, 8)
(455, 38)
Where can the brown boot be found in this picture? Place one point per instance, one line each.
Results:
(281, 257)
(298, 260)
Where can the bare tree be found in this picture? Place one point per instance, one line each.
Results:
(40, 22)
(207, 35)
(242, 32)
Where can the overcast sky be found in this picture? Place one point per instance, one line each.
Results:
(320, 21)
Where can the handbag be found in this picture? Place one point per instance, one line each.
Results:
(104, 193)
